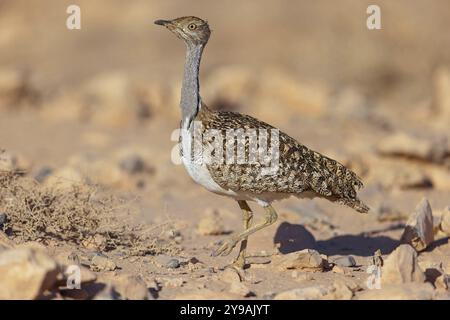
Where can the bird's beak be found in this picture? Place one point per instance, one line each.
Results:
(163, 22)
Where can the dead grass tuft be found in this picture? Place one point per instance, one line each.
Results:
(75, 215)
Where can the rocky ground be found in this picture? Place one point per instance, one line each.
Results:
(87, 177)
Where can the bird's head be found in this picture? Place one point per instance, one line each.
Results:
(193, 30)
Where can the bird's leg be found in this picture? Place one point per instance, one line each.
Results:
(229, 244)
(247, 216)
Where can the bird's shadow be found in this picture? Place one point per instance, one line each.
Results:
(294, 237)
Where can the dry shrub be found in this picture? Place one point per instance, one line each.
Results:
(74, 215)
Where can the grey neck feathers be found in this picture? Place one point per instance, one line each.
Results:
(190, 91)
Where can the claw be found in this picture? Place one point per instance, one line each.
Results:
(226, 248)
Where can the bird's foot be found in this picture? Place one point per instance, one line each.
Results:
(226, 247)
(239, 263)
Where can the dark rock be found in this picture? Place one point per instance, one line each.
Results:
(132, 164)
(346, 261)
(3, 218)
(42, 174)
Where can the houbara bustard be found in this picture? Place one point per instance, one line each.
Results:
(299, 171)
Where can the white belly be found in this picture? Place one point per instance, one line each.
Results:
(197, 169)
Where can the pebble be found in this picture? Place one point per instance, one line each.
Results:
(102, 263)
(2, 219)
(173, 264)
(307, 259)
(346, 261)
(132, 164)
(42, 174)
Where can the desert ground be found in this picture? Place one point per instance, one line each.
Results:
(87, 122)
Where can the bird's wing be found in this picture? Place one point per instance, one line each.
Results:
(299, 168)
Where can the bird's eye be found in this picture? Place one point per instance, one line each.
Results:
(192, 26)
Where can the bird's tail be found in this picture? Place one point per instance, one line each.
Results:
(356, 204)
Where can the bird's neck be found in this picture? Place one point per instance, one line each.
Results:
(190, 91)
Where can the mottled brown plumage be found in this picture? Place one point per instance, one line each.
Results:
(301, 170)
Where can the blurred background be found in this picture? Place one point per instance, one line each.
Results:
(100, 104)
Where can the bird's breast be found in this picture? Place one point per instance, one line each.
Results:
(191, 156)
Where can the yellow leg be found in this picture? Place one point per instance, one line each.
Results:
(229, 244)
(247, 215)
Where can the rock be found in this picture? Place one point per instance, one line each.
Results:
(166, 261)
(211, 224)
(132, 164)
(307, 259)
(406, 291)
(445, 221)
(240, 289)
(340, 270)
(401, 144)
(419, 227)
(26, 273)
(130, 287)
(337, 291)
(402, 267)
(229, 275)
(173, 264)
(346, 261)
(437, 220)
(3, 218)
(42, 174)
(173, 282)
(102, 263)
(96, 242)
